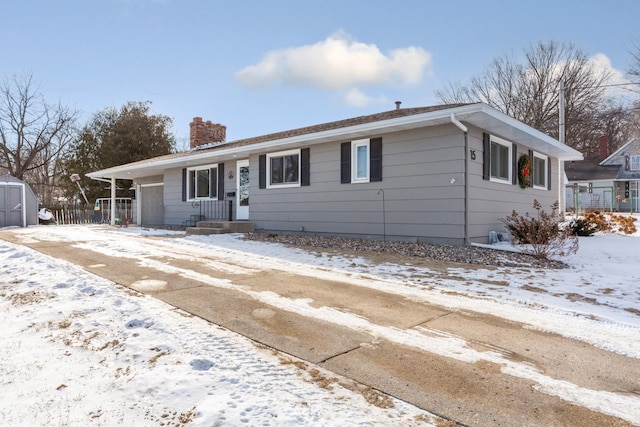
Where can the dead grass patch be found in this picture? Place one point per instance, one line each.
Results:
(161, 353)
(533, 289)
(176, 419)
(113, 343)
(123, 372)
(633, 310)
(443, 423)
(64, 324)
(297, 363)
(31, 297)
(573, 297)
(321, 380)
(376, 398)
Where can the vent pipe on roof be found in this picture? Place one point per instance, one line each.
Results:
(398, 104)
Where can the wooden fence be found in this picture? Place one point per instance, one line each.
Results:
(75, 215)
(98, 213)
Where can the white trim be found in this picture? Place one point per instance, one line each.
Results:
(354, 160)
(479, 115)
(158, 184)
(545, 175)
(207, 167)
(510, 146)
(139, 188)
(241, 210)
(268, 171)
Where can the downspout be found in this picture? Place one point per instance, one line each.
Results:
(464, 129)
(113, 201)
(562, 191)
(24, 205)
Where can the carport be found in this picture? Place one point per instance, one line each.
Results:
(18, 203)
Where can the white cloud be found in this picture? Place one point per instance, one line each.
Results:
(336, 63)
(602, 65)
(356, 98)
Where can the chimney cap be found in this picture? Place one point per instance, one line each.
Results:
(398, 104)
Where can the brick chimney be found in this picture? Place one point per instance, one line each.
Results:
(604, 147)
(203, 133)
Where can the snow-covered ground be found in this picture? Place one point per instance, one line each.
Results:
(79, 350)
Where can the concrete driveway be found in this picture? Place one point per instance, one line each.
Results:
(477, 393)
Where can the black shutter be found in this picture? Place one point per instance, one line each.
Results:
(221, 181)
(305, 168)
(486, 156)
(184, 185)
(345, 162)
(549, 172)
(627, 163)
(262, 171)
(531, 166)
(514, 164)
(375, 161)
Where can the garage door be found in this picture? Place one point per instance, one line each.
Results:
(11, 206)
(152, 205)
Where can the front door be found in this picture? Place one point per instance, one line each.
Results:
(151, 202)
(242, 201)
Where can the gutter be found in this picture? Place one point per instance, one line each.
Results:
(465, 131)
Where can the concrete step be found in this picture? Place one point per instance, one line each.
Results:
(205, 231)
(213, 224)
(229, 226)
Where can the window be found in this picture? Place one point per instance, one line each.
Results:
(361, 161)
(540, 164)
(284, 169)
(635, 163)
(501, 160)
(202, 182)
(360, 164)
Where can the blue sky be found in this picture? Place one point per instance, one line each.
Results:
(265, 66)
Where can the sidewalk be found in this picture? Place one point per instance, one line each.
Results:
(471, 392)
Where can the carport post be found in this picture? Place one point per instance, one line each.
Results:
(113, 200)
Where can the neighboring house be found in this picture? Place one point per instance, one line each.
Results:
(609, 182)
(18, 203)
(441, 174)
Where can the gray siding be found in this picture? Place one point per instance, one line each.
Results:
(489, 201)
(423, 184)
(420, 201)
(177, 212)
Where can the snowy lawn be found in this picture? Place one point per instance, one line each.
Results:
(78, 350)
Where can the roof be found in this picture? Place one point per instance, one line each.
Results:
(619, 160)
(589, 170)
(631, 148)
(479, 114)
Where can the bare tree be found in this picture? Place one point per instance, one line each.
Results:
(33, 133)
(529, 90)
